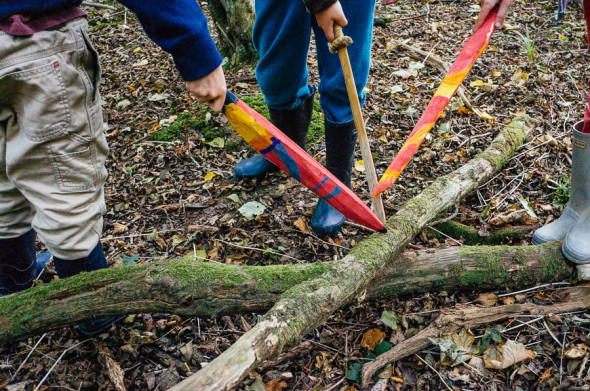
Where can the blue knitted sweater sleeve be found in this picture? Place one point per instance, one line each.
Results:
(180, 28)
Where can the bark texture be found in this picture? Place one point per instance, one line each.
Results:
(309, 304)
(194, 288)
(234, 21)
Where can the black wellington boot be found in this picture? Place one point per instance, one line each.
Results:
(94, 261)
(340, 142)
(19, 266)
(294, 123)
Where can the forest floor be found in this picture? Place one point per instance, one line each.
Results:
(171, 192)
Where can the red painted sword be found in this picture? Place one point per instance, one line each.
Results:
(471, 51)
(275, 146)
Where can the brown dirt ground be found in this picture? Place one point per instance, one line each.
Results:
(161, 193)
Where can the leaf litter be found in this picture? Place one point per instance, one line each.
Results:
(170, 192)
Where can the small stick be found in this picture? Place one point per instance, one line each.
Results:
(437, 372)
(27, 358)
(259, 249)
(335, 385)
(57, 362)
(561, 359)
(340, 43)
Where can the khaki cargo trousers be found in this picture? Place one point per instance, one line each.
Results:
(52, 145)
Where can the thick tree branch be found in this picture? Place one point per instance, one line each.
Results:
(308, 305)
(194, 288)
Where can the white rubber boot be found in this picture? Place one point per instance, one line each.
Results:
(576, 246)
(580, 192)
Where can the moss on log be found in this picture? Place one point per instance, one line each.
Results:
(470, 236)
(194, 288)
(309, 304)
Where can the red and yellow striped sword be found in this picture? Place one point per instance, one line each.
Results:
(471, 51)
(263, 136)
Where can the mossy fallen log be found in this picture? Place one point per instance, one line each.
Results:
(470, 236)
(195, 288)
(309, 304)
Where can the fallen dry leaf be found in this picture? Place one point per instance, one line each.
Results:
(276, 385)
(120, 229)
(302, 225)
(576, 352)
(455, 348)
(487, 299)
(372, 338)
(546, 375)
(508, 218)
(506, 354)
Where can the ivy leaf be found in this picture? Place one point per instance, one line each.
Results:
(383, 347)
(129, 259)
(354, 372)
(217, 142)
(252, 209)
(390, 319)
(487, 337)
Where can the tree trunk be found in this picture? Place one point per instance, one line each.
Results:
(309, 304)
(234, 20)
(194, 288)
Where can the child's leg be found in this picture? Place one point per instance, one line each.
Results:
(17, 239)
(281, 36)
(56, 151)
(333, 95)
(340, 133)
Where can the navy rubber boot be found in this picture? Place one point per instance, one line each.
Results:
(94, 261)
(294, 123)
(340, 142)
(19, 266)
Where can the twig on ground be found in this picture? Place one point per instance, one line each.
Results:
(57, 362)
(561, 359)
(140, 235)
(445, 235)
(262, 250)
(27, 358)
(583, 366)
(444, 220)
(523, 324)
(553, 284)
(335, 385)
(437, 372)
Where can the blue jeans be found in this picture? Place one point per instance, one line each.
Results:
(282, 33)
